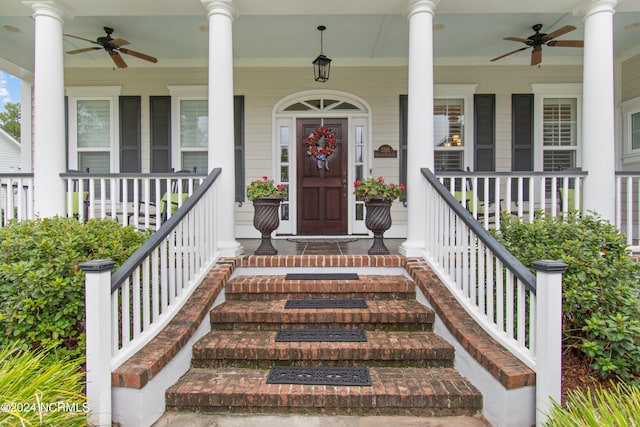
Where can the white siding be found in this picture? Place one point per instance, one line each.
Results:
(9, 154)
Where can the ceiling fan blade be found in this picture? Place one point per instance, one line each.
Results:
(84, 49)
(536, 56)
(117, 59)
(138, 55)
(566, 43)
(81, 38)
(517, 39)
(118, 42)
(559, 32)
(510, 53)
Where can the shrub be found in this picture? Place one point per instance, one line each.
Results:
(600, 287)
(41, 284)
(619, 406)
(39, 390)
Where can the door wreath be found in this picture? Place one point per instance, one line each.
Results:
(321, 143)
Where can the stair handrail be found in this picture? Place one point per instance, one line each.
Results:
(163, 272)
(522, 311)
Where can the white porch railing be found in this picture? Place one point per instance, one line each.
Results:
(628, 206)
(149, 288)
(16, 197)
(500, 293)
(487, 194)
(141, 200)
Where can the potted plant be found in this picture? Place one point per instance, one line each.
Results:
(377, 196)
(266, 198)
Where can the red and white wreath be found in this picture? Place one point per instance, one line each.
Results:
(321, 143)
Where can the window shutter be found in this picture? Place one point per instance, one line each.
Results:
(238, 118)
(485, 131)
(522, 132)
(130, 134)
(160, 107)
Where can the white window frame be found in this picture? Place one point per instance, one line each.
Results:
(629, 108)
(464, 92)
(94, 93)
(554, 90)
(178, 94)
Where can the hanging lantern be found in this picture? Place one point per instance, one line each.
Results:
(322, 64)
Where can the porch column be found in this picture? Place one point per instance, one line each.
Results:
(420, 119)
(598, 127)
(48, 110)
(221, 129)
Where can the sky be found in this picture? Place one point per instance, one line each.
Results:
(9, 89)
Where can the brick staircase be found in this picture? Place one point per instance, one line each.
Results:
(411, 368)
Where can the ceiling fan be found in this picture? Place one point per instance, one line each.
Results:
(537, 40)
(112, 46)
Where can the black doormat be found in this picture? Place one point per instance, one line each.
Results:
(326, 303)
(321, 335)
(319, 376)
(321, 276)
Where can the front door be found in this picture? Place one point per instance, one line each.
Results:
(322, 186)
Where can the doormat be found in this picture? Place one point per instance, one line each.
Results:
(319, 376)
(339, 240)
(326, 303)
(321, 276)
(321, 335)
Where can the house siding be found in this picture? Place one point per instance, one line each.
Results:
(631, 78)
(9, 154)
(378, 86)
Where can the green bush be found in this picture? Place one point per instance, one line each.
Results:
(39, 390)
(600, 287)
(41, 284)
(619, 406)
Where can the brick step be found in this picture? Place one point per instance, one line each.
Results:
(269, 315)
(275, 287)
(394, 391)
(258, 349)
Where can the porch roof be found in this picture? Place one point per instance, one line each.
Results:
(283, 32)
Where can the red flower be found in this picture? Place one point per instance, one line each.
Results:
(380, 179)
(392, 186)
(265, 178)
(355, 184)
(402, 187)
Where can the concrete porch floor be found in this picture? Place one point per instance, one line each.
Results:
(341, 245)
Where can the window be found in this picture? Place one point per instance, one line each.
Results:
(93, 125)
(556, 126)
(194, 130)
(631, 130)
(189, 128)
(559, 133)
(448, 134)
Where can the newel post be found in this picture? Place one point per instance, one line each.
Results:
(548, 336)
(98, 330)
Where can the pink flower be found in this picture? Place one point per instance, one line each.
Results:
(265, 178)
(392, 186)
(402, 187)
(380, 179)
(355, 184)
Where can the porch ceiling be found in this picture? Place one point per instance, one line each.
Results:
(283, 32)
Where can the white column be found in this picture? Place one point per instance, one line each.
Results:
(48, 111)
(598, 123)
(26, 153)
(420, 120)
(221, 128)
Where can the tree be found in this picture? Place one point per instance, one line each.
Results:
(10, 119)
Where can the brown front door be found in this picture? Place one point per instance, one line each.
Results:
(322, 192)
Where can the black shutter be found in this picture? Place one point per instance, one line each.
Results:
(485, 132)
(521, 138)
(404, 110)
(130, 134)
(522, 132)
(238, 119)
(160, 119)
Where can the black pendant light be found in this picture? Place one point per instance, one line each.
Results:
(322, 64)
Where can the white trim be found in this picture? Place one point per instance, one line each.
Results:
(464, 92)
(361, 117)
(554, 90)
(629, 155)
(94, 93)
(182, 93)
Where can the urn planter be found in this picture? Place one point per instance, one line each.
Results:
(266, 219)
(378, 220)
